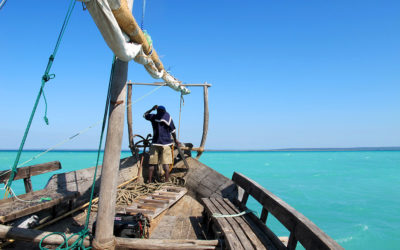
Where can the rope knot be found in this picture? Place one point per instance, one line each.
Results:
(46, 77)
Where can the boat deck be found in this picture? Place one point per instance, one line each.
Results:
(181, 221)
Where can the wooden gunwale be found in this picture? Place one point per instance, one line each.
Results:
(26, 173)
(301, 229)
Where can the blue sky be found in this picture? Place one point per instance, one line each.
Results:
(284, 73)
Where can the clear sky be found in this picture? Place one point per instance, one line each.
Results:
(284, 73)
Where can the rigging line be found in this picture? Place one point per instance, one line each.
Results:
(70, 138)
(106, 109)
(61, 143)
(143, 12)
(180, 111)
(46, 77)
(146, 95)
(2, 4)
(12, 193)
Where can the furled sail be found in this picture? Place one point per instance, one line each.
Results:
(125, 38)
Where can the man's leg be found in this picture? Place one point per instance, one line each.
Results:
(153, 161)
(166, 161)
(151, 171)
(166, 170)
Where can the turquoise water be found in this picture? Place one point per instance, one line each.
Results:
(353, 196)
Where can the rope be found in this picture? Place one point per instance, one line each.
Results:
(143, 12)
(217, 215)
(70, 138)
(79, 242)
(182, 101)
(2, 4)
(46, 77)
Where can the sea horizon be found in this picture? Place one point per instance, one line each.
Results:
(322, 149)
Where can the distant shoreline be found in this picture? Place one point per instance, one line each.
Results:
(353, 149)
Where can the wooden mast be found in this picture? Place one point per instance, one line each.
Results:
(104, 238)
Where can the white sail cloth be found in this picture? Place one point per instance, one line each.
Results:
(120, 44)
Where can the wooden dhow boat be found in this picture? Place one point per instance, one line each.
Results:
(199, 209)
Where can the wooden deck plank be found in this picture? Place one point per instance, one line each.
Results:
(149, 200)
(154, 204)
(229, 207)
(232, 241)
(240, 234)
(261, 230)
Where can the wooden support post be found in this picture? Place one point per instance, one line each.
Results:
(112, 153)
(244, 199)
(264, 215)
(28, 185)
(205, 122)
(129, 118)
(292, 241)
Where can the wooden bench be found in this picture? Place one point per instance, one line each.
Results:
(240, 232)
(16, 207)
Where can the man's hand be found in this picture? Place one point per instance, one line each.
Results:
(154, 107)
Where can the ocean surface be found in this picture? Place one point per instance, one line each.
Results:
(352, 196)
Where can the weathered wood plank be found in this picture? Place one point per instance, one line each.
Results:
(138, 210)
(153, 201)
(230, 238)
(17, 211)
(28, 171)
(164, 197)
(262, 232)
(231, 209)
(30, 235)
(236, 226)
(306, 232)
(131, 243)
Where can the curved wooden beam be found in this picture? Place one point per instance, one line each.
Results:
(129, 118)
(205, 122)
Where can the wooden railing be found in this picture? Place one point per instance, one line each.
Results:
(25, 173)
(301, 229)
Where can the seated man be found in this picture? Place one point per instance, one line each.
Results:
(163, 137)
